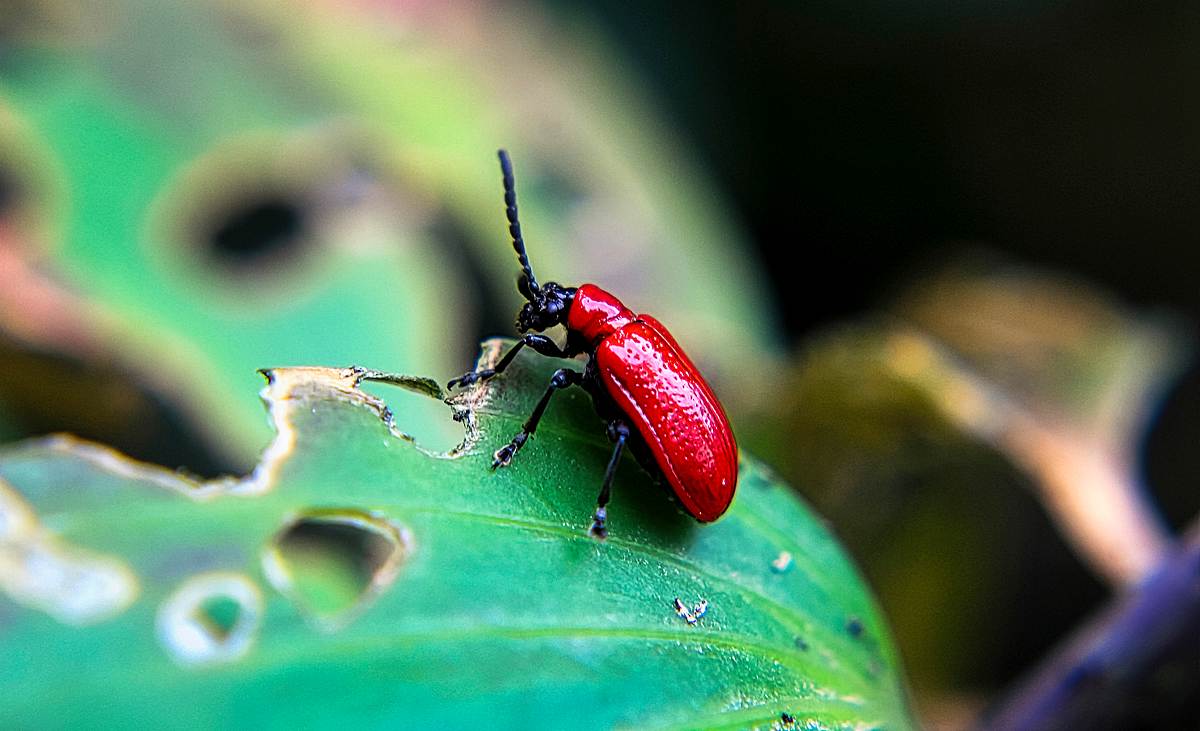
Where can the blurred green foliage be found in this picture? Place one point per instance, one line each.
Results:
(227, 186)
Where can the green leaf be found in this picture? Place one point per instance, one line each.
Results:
(356, 577)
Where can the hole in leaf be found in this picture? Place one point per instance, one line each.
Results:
(10, 191)
(212, 618)
(425, 419)
(30, 182)
(251, 207)
(332, 564)
(257, 229)
(92, 398)
(219, 614)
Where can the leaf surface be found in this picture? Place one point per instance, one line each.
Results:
(356, 577)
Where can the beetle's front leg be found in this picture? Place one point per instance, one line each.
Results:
(562, 378)
(540, 343)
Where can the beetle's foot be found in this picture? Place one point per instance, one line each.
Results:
(470, 379)
(598, 529)
(505, 454)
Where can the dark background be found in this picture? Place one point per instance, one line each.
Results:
(857, 141)
(861, 144)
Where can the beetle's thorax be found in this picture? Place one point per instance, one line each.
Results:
(596, 314)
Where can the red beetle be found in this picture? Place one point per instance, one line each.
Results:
(640, 380)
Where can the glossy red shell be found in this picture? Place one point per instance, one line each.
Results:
(665, 399)
(596, 314)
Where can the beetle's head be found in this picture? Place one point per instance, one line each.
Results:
(548, 305)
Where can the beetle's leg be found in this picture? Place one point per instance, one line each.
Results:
(562, 378)
(618, 432)
(540, 343)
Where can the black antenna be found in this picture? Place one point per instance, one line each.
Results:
(528, 285)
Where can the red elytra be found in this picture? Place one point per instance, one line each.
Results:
(639, 379)
(666, 399)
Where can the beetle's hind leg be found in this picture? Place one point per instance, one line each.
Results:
(618, 432)
(562, 378)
